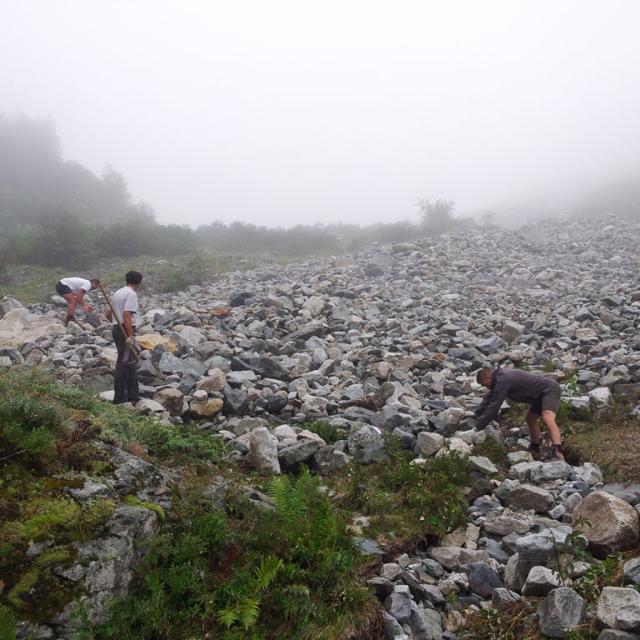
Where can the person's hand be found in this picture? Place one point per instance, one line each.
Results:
(87, 308)
(130, 342)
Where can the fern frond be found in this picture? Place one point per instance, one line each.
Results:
(228, 616)
(267, 571)
(7, 624)
(248, 612)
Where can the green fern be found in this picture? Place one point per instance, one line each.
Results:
(267, 572)
(248, 612)
(7, 624)
(229, 616)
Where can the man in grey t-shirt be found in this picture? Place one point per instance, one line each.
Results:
(541, 393)
(125, 306)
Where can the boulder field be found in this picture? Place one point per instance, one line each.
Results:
(387, 340)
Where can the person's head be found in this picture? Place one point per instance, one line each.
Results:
(95, 283)
(485, 377)
(133, 278)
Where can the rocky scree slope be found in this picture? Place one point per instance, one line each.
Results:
(385, 342)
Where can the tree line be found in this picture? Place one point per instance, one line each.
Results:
(55, 212)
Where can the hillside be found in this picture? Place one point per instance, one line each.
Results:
(309, 465)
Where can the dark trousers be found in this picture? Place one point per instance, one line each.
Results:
(125, 382)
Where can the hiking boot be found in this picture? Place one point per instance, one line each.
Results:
(534, 450)
(555, 454)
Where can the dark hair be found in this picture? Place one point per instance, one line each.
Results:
(95, 281)
(133, 277)
(485, 371)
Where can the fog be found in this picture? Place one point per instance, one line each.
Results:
(281, 113)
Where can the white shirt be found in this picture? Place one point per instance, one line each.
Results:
(76, 283)
(125, 299)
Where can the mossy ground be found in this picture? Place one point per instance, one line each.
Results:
(52, 438)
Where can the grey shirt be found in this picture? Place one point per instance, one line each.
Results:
(512, 384)
(125, 299)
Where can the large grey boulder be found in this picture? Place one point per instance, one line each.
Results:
(610, 524)
(619, 608)
(263, 451)
(562, 610)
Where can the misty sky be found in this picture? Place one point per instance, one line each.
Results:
(277, 112)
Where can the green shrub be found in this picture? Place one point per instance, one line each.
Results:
(411, 500)
(328, 432)
(288, 574)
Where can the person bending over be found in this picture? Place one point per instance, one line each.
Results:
(73, 290)
(125, 306)
(541, 393)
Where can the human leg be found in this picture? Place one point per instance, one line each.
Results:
(120, 373)
(131, 375)
(549, 419)
(534, 433)
(71, 306)
(534, 428)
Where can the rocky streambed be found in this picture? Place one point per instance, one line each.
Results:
(386, 341)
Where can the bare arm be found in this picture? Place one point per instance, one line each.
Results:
(493, 401)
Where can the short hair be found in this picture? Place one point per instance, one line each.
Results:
(483, 373)
(133, 277)
(95, 281)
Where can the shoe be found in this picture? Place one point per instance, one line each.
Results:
(534, 450)
(555, 454)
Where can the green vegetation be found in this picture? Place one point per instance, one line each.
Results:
(286, 570)
(494, 451)
(519, 622)
(133, 501)
(51, 438)
(607, 436)
(329, 433)
(7, 624)
(408, 501)
(288, 573)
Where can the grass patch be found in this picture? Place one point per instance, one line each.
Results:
(51, 438)
(290, 573)
(608, 437)
(328, 432)
(405, 501)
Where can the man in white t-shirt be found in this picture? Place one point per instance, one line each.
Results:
(73, 290)
(125, 306)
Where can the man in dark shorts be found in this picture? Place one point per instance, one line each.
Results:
(73, 290)
(541, 393)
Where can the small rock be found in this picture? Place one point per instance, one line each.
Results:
(540, 582)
